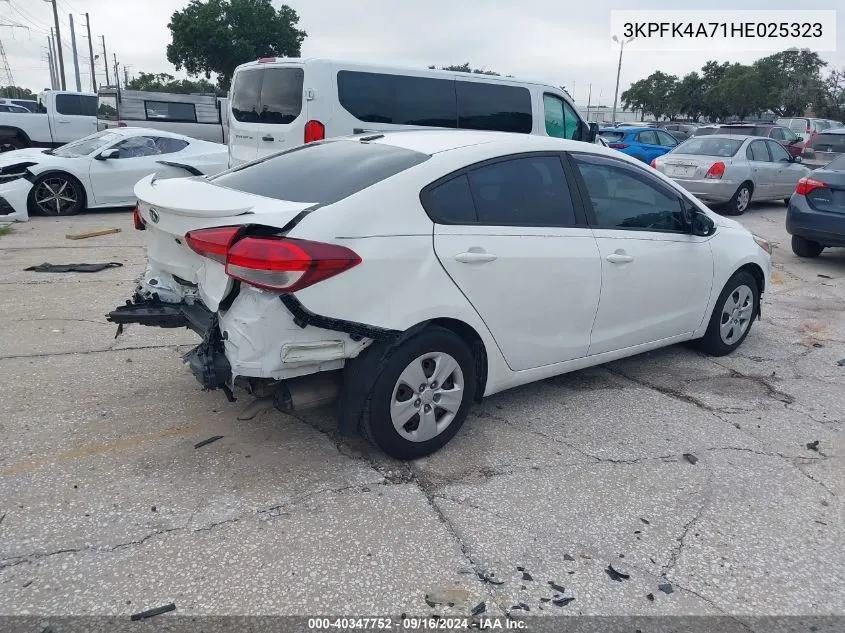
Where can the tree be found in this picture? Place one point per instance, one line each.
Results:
(688, 96)
(652, 95)
(466, 68)
(16, 92)
(163, 82)
(215, 36)
(791, 81)
(711, 74)
(740, 91)
(833, 96)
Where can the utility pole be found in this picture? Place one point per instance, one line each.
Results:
(55, 58)
(589, 98)
(618, 71)
(75, 56)
(59, 45)
(52, 65)
(105, 59)
(91, 52)
(116, 76)
(125, 75)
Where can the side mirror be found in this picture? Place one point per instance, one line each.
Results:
(702, 224)
(592, 132)
(797, 159)
(109, 153)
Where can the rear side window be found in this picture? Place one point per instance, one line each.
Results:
(828, 143)
(268, 95)
(169, 111)
(76, 105)
(397, 99)
(757, 151)
(322, 172)
(490, 106)
(648, 137)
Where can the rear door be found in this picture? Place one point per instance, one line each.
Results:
(649, 146)
(268, 111)
(508, 234)
(74, 116)
(763, 170)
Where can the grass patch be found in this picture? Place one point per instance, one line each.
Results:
(5, 229)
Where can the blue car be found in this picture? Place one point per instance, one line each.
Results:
(643, 143)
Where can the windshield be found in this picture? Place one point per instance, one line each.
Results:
(86, 146)
(709, 146)
(107, 107)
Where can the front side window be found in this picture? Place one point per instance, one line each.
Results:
(137, 147)
(107, 107)
(69, 105)
(667, 140)
(553, 109)
(574, 125)
(777, 134)
(170, 111)
(779, 154)
(624, 197)
(529, 191)
(757, 152)
(492, 106)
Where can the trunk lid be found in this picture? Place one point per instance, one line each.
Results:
(173, 207)
(690, 166)
(831, 198)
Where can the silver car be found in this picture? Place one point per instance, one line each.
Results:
(730, 170)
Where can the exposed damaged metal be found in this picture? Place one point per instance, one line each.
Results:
(303, 317)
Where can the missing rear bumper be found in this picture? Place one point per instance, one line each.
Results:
(160, 314)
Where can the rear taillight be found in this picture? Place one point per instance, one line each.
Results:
(212, 243)
(272, 262)
(314, 131)
(618, 145)
(807, 184)
(137, 220)
(121, 124)
(716, 171)
(653, 163)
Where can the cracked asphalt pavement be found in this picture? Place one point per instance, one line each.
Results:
(106, 507)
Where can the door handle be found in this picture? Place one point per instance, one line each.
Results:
(472, 257)
(268, 138)
(619, 258)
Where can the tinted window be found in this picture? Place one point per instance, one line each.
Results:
(136, 147)
(167, 145)
(705, 131)
(710, 146)
(648, 137)
(530, 191)
(451, 202)
(169, 111)
(574, 125)
(666, 139)
(777, 134)
(268, 95)
(757, 151)
(828, 143)
(553, 109)
(76, 105)
(397, 99)
(490, 106)
(778, 153)
(321, 172)
(624, 197)
(107, 107)
(612, 137)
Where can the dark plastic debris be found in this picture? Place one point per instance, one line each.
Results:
(824, 276)
(692, 459)
(527, 576)
(520, 569)
(214, 438)
(666, 588)
(645, 521)
(562, 601)
(813, 446)
(72, 268)
(478, 609)
(616, 575)
(650, 597)
(484, 576)
(568, 557)
(841, 363)
(143, 615)
(545, 599)
(557, 587)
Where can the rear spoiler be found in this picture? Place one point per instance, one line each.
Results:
(188, 168)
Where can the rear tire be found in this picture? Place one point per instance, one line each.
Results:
(12, 143)
(803, 247)
(734, 313)
(738, 204)
(56, 194)
(407, 422)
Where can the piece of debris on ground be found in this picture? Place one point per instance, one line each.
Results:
(72, 268)
(488, 577)
(213, 438)
(149, 613)
(615, 574)
(666, 587)
(813, 446)
(557, 587)
(95, 233)
(692, 459)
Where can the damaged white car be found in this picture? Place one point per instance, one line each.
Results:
(411, 273)
(100, 170)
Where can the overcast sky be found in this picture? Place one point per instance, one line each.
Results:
(563, 42)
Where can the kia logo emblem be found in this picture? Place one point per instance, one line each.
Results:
(154, 215)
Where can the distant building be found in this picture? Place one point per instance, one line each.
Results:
(602, 114)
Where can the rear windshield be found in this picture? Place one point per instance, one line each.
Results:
(267, 95)
(828, 143)
(709, 146)
(612, 137)
(322, 172)
(705, 131)
(837, 164)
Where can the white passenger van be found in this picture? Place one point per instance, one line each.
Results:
(194, 115)
(277, 103)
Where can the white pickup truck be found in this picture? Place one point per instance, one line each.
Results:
(62, 117)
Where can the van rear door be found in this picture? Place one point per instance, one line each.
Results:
(267, 110)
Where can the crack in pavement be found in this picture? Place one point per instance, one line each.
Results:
(98, 351)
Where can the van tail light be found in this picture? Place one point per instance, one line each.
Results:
(266, 60)
(121, 124)
(807, 184)
(212, 243)
(272, 262)
(716, 171)
(618, 145)
(810, 139)
(314, 131)
(137, 220)
(653, 163)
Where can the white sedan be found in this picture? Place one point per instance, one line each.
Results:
(411, 273)
(99, 170)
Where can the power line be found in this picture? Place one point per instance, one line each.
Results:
(30, 18)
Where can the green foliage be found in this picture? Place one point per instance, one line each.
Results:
(163, 82)
(466, 68)
(215, 36)
(653, 95)
(16, 92)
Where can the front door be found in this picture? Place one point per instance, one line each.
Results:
(785, 173)
(113, 180)
(656, 276)
(506, 233)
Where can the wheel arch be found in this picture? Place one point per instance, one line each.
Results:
(86, 197)
(476, 345)
(8, 130)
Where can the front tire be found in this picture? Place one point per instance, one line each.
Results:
(422, 396)
(738, 204)
(56, 194)
(803, 247)
(735, 311)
